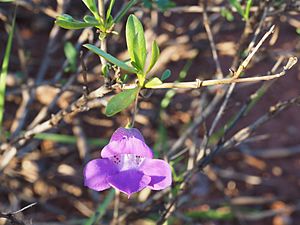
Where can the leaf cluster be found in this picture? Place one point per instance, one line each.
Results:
(136, 46)
(103, 24)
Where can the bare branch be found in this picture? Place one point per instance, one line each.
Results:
(11, 215)
(219, 73)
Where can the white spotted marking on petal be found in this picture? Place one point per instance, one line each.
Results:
(127, 161)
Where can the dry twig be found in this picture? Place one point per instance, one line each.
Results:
(11, 215)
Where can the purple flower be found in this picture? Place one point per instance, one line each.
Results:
(127, 164)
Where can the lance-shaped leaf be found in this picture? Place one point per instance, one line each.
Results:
(166, 74)
(71, 55)
(91, 20)
(153, 82)
(154, 55)
(120, 101)
(124, 10)
(135, 39)
(91, 4)
(108, 12)
(237, 5)
(247, 9)
(110, 58)
(68, 22)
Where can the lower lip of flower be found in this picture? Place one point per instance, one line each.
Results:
(127, 161)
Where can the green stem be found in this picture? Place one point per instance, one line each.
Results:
(134, 109)
(4, 69)
(101, 8)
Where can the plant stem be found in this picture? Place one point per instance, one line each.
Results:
(249, 57)
(101, 8)
(198, 83)
(103, 46)
(135, 108)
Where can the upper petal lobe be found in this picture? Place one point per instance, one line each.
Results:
(159, 171)
(96, 172)
(127, 145)
(122, 132)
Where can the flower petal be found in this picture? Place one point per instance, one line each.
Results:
(96, 173)
(122, 132)
(129, 181)
(159, 171)
(129, 145)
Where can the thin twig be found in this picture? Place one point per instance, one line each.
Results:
(84, 74)
(21, 112)
(219, 73)
(242, 136)
(24, 208)
(245, 133)
(80, 105)
(200, 9)
(274, 153)
(46, 10)
(253, 98)
(257, 31)
(135, 109)
(222, 109)
(204, 83)
(207, 111)
(116, 208)
(237, 139)
(46, 62)
(81, 140)
(232, 86)
(11, 215)
(45, 110)
(245, 63)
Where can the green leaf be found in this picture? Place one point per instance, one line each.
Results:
(68, 22)
(298, 31)
(124, 78)
(227, 14)
(71, 55)
(109, 22)
(164, 5)
(237, 5)
(247, 10)
(124, 10)
(121, 101)
(108, 12)
(7, 0)
(137, 66)
(4, 69)
(69, 139)
(154, 56)
(135, 39)
(147, 4)
(110, 58)
(91, 20)
(92, 7)
(166, 74)
(171, 93)
(153, 82)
